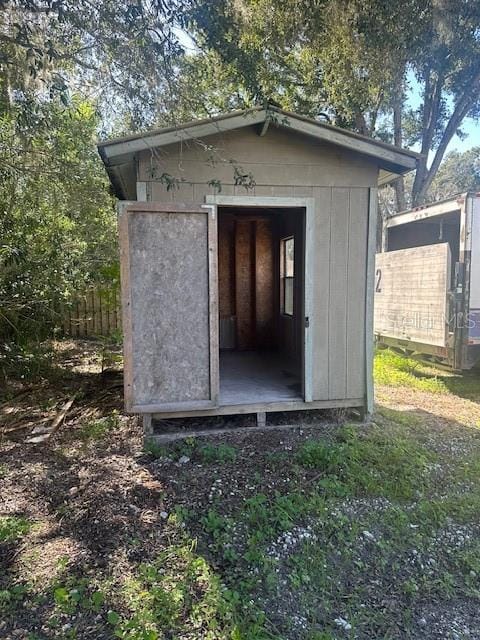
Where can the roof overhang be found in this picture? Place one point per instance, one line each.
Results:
(392, 161)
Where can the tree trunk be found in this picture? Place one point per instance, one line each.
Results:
(462, 108)
(399, 184)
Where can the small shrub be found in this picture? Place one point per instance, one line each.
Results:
(155, 450)
(25, 361)
(13, 527)
(217, 453)
(98, 429)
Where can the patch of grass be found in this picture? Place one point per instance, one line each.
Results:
(98, 429)
(13, 527)
(375, 462)
(220, 453)
(155, 450)
(13, 597)
(394, 369)
(403, 418)
(178, 591)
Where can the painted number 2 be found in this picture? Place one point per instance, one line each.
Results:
(378, 274)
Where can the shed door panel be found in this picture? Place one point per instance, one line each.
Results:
(168, 266)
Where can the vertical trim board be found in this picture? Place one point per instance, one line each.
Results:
(370, 282)
(212, 230)
(337, 356)
(356, 292)
(126, 304)
(320, 284)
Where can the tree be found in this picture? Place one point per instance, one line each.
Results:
(57, 220)
(448, 69)
(352, 58)
(459, 172)
(123, 54)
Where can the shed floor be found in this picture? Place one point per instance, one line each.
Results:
(248, 377)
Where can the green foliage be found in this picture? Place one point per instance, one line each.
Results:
(353, 62)
(76, 594)
(177, 591)
(374, 463)
(13, 527)
(98, 429)
(12, 598)
(459, 172)
(25, 361)
(155, 450)
(57, 223)
(217, 453)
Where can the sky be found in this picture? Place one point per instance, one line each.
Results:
(469, 126)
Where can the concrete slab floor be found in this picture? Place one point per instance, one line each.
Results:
(248, 377)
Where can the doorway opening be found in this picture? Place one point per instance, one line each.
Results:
(261, 304)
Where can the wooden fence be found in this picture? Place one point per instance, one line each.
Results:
(97, 312)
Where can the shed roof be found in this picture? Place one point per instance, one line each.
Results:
(392, 161)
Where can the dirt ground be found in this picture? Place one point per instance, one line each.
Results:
(89, 516)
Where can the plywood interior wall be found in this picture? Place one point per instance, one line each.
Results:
(249, 278)
(246, 277)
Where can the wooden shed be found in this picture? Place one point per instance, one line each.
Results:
(247, 256)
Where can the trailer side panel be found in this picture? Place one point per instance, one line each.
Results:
(412, 294)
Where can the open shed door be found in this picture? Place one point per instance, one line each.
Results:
(169, 299)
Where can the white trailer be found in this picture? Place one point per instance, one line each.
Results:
(427, 282)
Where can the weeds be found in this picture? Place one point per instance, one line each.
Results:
(178, 590)
(374, 463)
(155, 450)
(13, 527)
(217, 453)
(98, 429)
(74, 594)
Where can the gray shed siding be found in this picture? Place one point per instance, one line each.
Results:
(284, 163)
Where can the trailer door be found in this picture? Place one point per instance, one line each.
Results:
(412, 288)
(169, 299)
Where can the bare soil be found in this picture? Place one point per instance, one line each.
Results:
(100, 505)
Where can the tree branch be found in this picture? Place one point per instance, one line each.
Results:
(468, 99)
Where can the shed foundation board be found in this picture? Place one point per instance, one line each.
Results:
(242, 409)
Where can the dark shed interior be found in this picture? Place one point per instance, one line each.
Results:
(260, 287)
